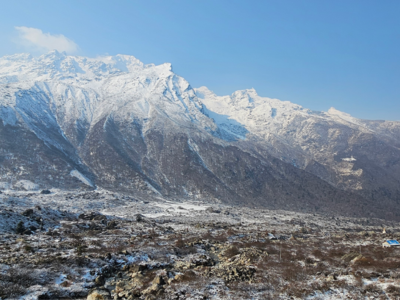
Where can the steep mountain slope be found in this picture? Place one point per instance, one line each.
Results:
(351, 154)
(113, 122)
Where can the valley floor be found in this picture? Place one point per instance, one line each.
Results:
(88, 244)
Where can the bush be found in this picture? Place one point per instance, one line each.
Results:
(372, 288)
(188, 276)
(231, 251)
(28, 248)
(180, 243)
(395, 290)
(14, 282)
(20, 228)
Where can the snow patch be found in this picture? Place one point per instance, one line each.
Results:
(4, 185)
(26, 185)
(349, 159)
(152, 188)
(81, 177)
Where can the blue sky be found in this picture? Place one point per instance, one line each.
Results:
(318, 54)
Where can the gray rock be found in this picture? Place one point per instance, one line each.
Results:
(99, 294)
(100, 280)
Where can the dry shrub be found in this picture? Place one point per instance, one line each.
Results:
(28, 248)
(182, 249)
(272, 250)
(76, 240)
(245, 290)
(185, 251)
(180, 243)
(317, 253)
(286, 255)
(296, 289)
(294, 272)
(118, 247)
(220, 238)
(309, 260)
(372, 288)
(319, 286)
(341, 284)
(301, 255)
(66, 283)
(92, 233)
(377, 265)
(358, 281)
(207, 236)
(79, 261)
(189, 276)
(231, 251)
(231, 231)
(319, 268)
(257, 244)
(364, 262)
(336, 252)
(15, 281)
(394, 290)
(148, 276)
(11, 290)
(380, 254)
(153, 234)
(97, 243)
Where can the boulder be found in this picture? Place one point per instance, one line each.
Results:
(112, 224)
(137, 268)
(159, 280)
(28, 212)
(100, 280)
(99, 294)
(99, 217)
(20, 228)
(139, 218)
(212, 210)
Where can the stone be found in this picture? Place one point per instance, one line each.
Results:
(99, 294)
(20, 228)
(112, 224)
(99, 218)
(28, 212)
(100, 280)
(137, 268)
(209, 209)
(45, 192)
(159, 280)
(139, 218)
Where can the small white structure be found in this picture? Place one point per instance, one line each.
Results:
(390, 243)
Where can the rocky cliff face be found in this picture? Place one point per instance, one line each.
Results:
(113, 122)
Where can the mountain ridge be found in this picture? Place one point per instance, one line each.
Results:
(141, 128)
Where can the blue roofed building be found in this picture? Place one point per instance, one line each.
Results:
(390, 243)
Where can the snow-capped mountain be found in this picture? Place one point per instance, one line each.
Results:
(116, 123)
(347, 152)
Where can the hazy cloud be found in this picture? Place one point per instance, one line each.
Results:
(36, 40)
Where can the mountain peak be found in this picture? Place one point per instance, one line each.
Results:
(204, 92)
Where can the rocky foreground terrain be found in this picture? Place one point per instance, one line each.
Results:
(106, 245)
